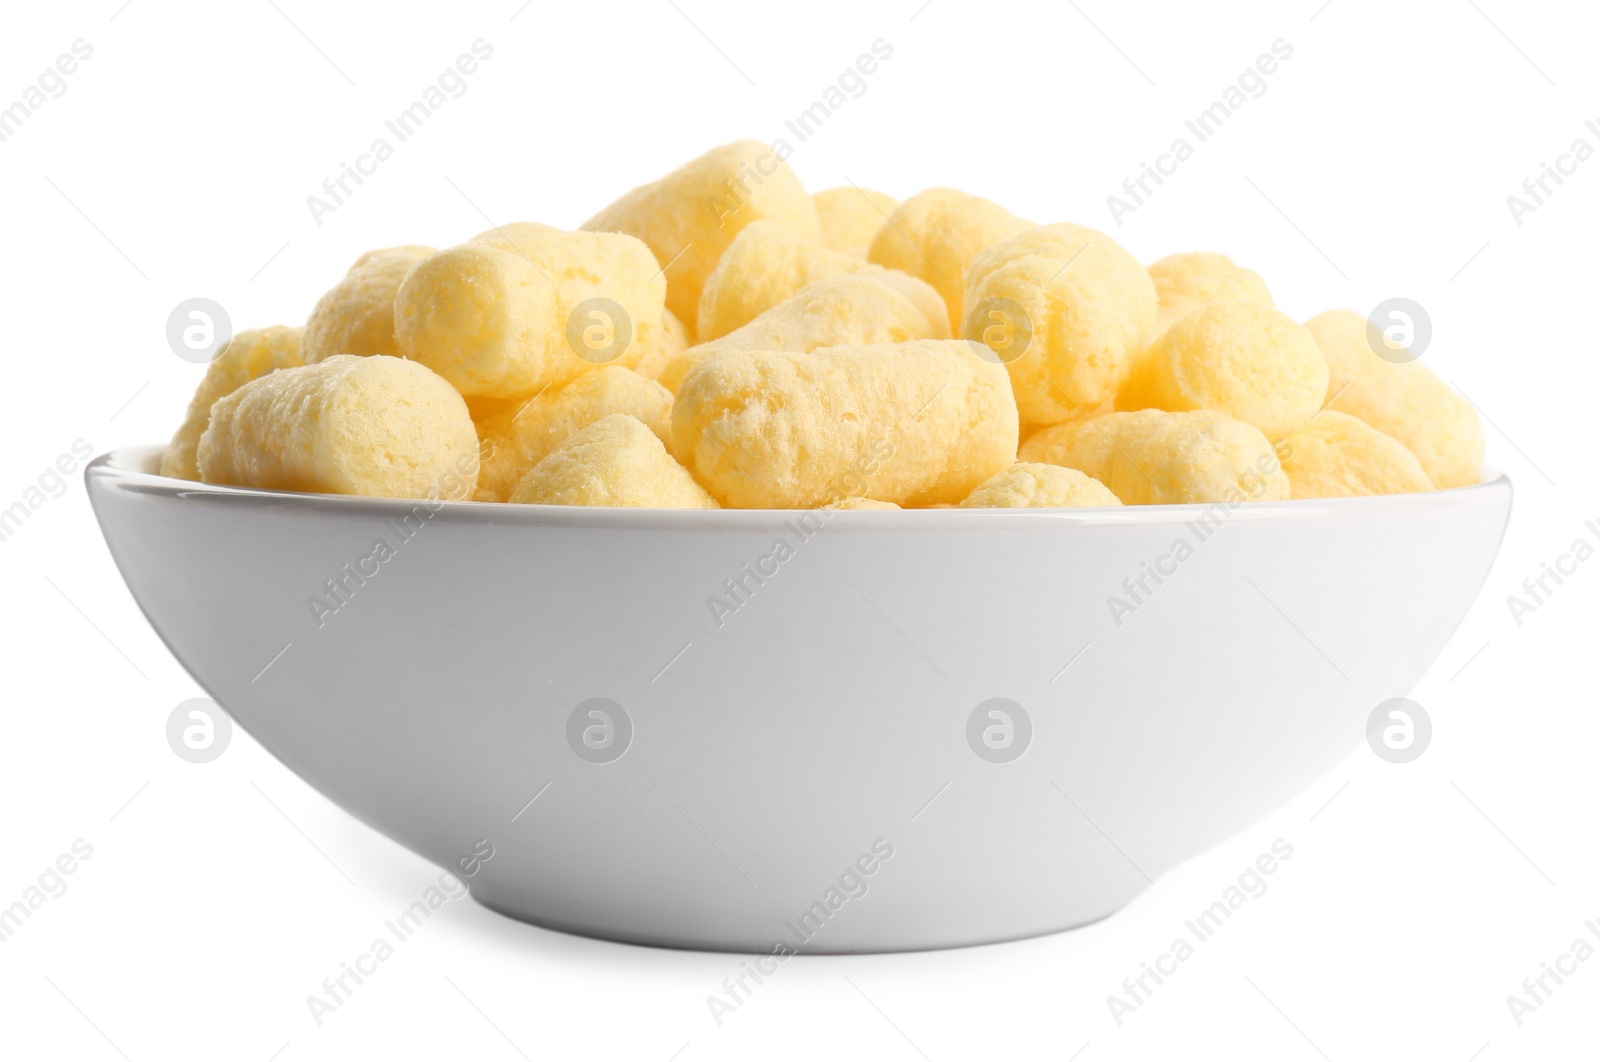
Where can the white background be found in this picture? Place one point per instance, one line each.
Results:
(1377, 164)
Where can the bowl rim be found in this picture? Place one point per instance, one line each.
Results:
(130, 468)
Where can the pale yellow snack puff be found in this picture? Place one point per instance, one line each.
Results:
(691, 215)
(910, 423)
(1157, 458)
(615, 461)
(1088, 414)
(934, 236)
(249, 355)
(671, 340)
(1244, 359)
(859, 504)
(1033, 485)
(1338, 456)
(507, 313)
(849, 310)
(851, 216)
(1085, 305)
(1186, 282)
(356, 315)
(381, 427)
(1404, 400)
(517, 434)
(767, 264)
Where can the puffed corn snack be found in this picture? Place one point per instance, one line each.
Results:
(721, 338)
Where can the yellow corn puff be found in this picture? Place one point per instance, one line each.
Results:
(671, 340)
(856, 504)
(526, 306)
(1077, 307)
(1403, 400)
(910, 423)
(249, 355)
(1186, 282)
(382, 427)
(1244, 359)
(1087, 414)
(849, 310)
(850, 217)
(689, 217)
(1157, 458)
(767, 264)
(934, 236)
(356, 316)
(517, 434)
(1338, 456)
(615, 461)
(1033, 485)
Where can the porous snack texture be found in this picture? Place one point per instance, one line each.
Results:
(1087, 305)
(1193, 280)
(494, 316)
(614, 461)
(859, 504)
(1158, 458)
(851, 217)
(1402, 399)
(689, 217)
(849, 310)
(356, 316)
(1339, 456)
(767, 264)
(722, 338)
(381, 427)
(1240, 358)
(910, 423)
(519, 433)
(249, 355)
(934, 236)
(1032, 485)
(1189, 281)
(672, 340)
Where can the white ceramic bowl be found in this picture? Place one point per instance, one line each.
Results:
(775, 757)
